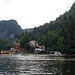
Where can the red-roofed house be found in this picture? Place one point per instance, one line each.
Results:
(40, 48)
(16, 48)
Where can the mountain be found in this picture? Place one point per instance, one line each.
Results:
(9, 28)
(59, 34)
(28, 30)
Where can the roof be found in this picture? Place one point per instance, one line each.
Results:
(11, 50)
(41, 47)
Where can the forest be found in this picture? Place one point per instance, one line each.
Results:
(58, 35)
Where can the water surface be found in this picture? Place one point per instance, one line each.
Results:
(36, 65)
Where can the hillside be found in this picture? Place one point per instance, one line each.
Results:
(9, 28)
(59, 34)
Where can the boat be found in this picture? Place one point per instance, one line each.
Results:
(5, 53)
(55, 53)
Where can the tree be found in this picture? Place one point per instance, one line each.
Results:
(4, 44)
(61, 44)
(24, 40)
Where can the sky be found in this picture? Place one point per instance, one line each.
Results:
(32, 13)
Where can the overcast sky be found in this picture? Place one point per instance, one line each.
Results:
(31, 13)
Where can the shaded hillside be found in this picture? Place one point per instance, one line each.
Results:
(9, 28)
(54, 24)
(59, 34)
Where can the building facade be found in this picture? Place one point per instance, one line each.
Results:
(33, 43)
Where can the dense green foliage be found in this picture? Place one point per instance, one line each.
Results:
(24, 44)
(24, 41)
(59, 34)
(4, 44)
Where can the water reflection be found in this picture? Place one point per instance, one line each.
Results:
(36, 65)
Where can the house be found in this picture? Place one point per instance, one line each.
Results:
(15, 48)
(33, 43)
(40, 48)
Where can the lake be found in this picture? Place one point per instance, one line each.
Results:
(36, 65)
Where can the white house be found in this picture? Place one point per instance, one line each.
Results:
(33, 43)
(40, 48)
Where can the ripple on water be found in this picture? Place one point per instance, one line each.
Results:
(34, 65)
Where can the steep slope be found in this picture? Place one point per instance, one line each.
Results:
(55, 24)
(58, 34)
(9, 28)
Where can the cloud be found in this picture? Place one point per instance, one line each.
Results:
(6, 1)
(69, 4)
(31, 13)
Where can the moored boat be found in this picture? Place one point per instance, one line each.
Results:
(5, 53)
(55, 53)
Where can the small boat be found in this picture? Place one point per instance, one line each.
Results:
(55, 53)
(5, 53)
